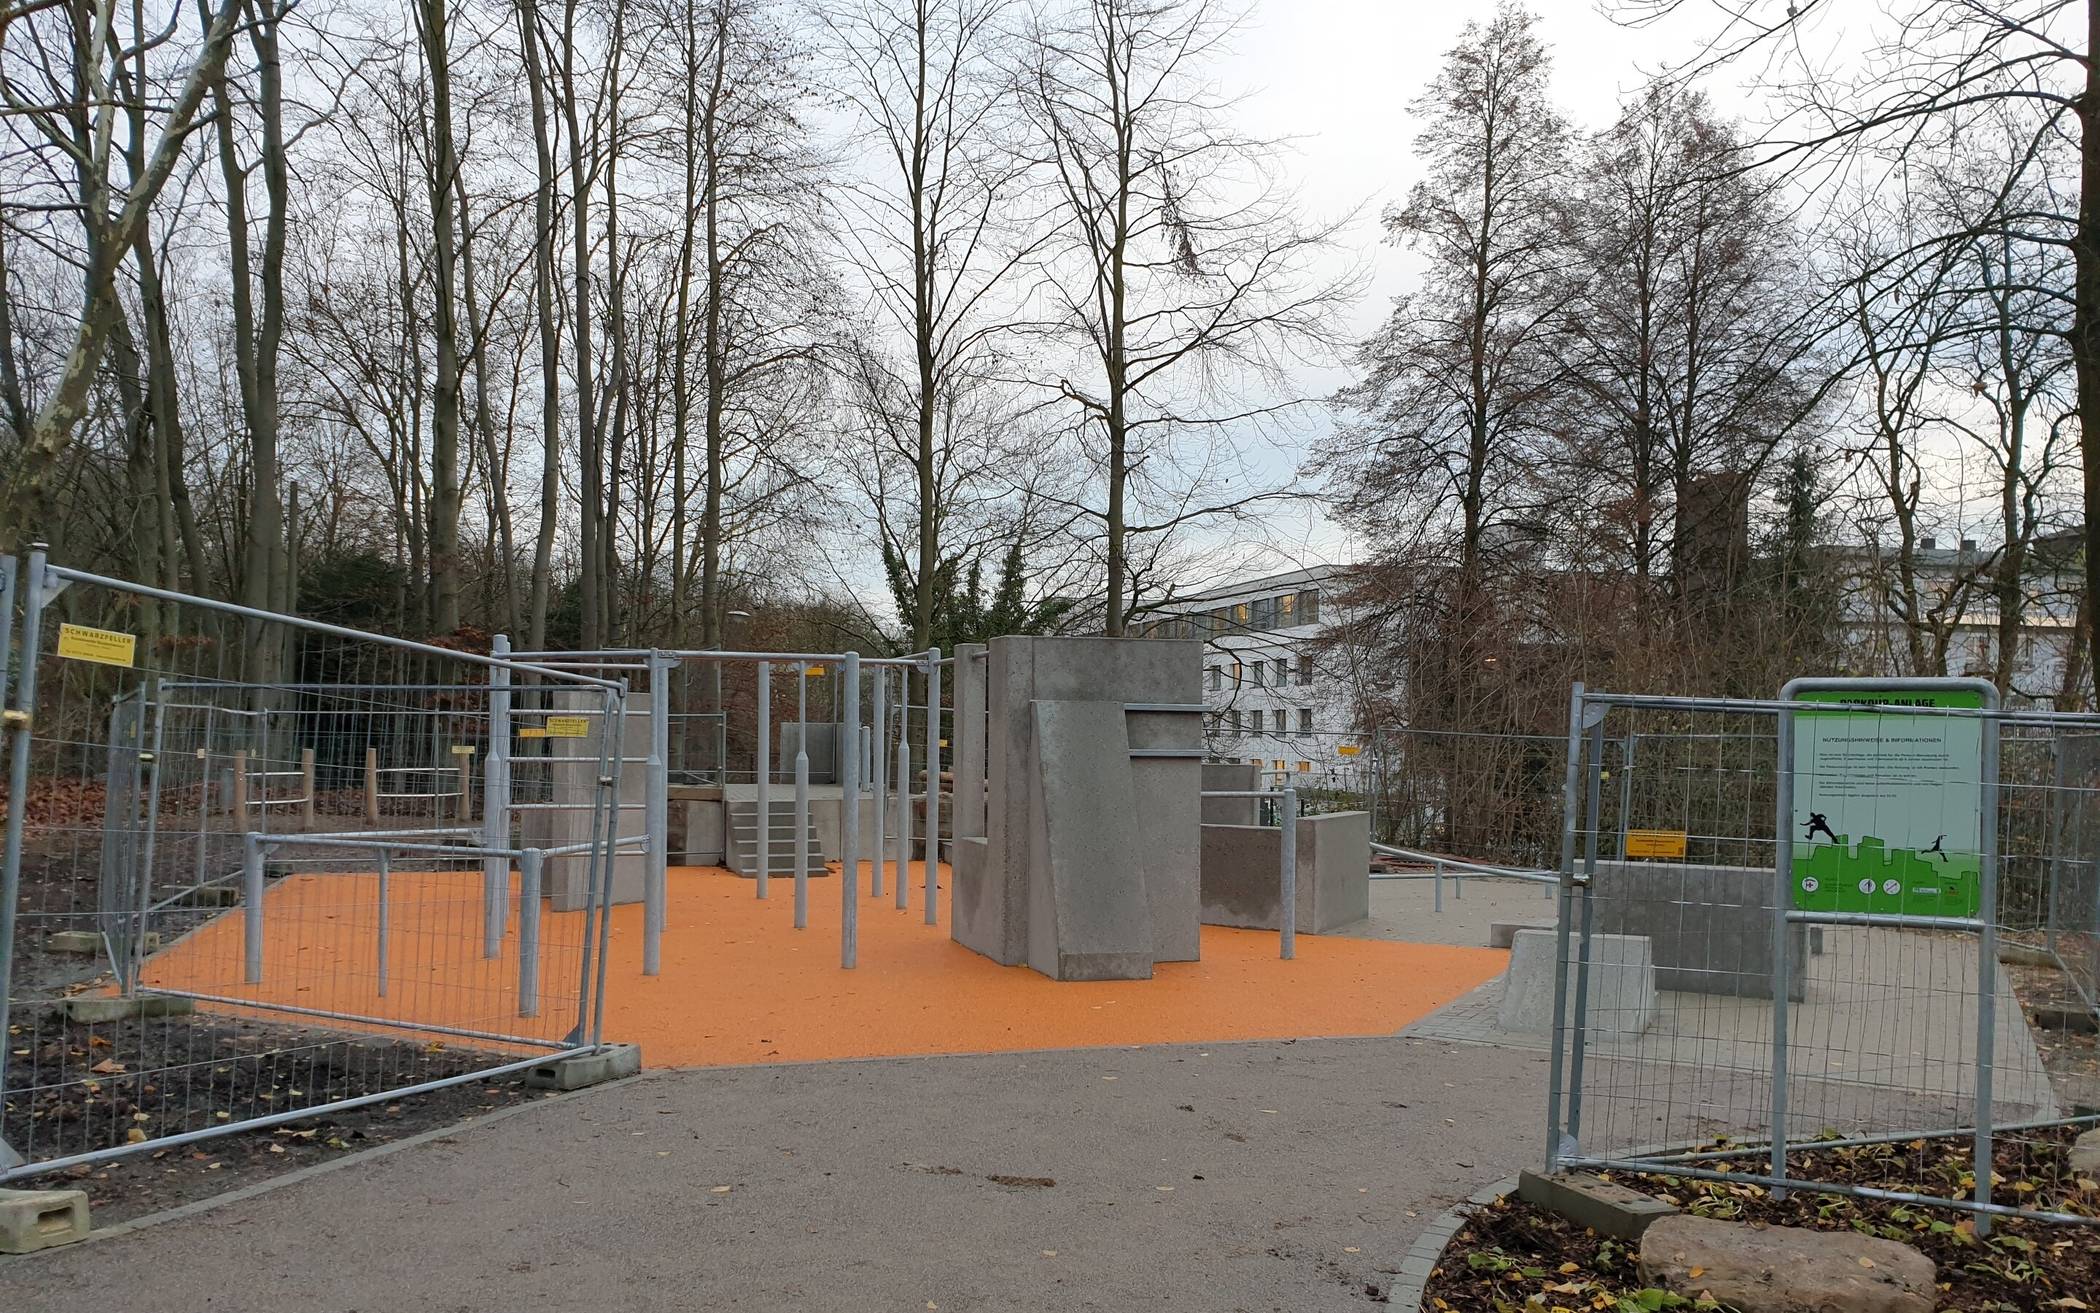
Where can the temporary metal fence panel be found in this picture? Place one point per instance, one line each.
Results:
(1839, 940)
(213, 919)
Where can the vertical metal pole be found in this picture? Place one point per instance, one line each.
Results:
(656, 812)
(1782, 942)
(2057, 776)
(252, 909)
(135, 951)
(531, 866)
(610, 755)
(903, 889)
(762, 836)
(1569, 803)
(385, 917)
(495, 802)
(1987, 966)
(1626, 792)
(849, 811)
(371, 783)
(933, 785)
(1589, 920)
(878, 773)
(801, 796)
(1438, 879)
(18, 727)
(1287, 817)
(7, 621)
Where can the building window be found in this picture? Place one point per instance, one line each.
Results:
(1240, 615)
(1238, 674)
(1287, 610)
(1264, 613)
(1309, 606)
(1305, 667)
(1254, 720)
(1260, 669)
(1305, 768)
(1217, 679)
(1217, 721)
(1283, 671)
(1305, 720)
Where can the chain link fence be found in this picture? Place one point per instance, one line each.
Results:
(1840, 941)
(246, 878)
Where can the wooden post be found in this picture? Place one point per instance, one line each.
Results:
(464, 756)
(372, 785)
(240, 782)
(306, 775)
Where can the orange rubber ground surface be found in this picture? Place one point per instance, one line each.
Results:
(740, 985)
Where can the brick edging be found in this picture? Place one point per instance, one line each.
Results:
(1428, 1248)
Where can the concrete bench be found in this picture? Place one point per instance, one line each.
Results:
(1621, 997)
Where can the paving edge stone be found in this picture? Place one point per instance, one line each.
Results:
(95, 1008)
(1410, 1285)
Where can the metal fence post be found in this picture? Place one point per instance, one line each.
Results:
(531, 866)
(762, 834)
(495, 804)
(1589, 921)
(1437, 879)
(1782, 943)
(252, 909)
(849, 811)
(801, 796)
(1570, 786)
(386, 916)
(1987, 965)
(1626, 792)
(656, 811)
(933, 784)
(878, 773)
(18, 724)
(1287, 818)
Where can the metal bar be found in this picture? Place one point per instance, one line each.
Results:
(849, 812)
(495, 803)
(801, 798)
(1857, 1141)
(762, 852)
(657, 814)
(633, 843)
(252, 911)
(385, 923)
(879, 771)
(1595, 805)
(1987, 969)
(609, 750)
(1569, 785)
(1782, 955)
(1287, 820)
(1175, 708)
(1898, 920)
(531, 869)
(1193, 753)
(1625, 790)
(1777, 1184)
(903, 889)
(933, 784)
(300, 622)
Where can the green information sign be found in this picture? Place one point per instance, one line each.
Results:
(1888, 808)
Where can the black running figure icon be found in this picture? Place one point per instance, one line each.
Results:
(1817, 821)
(1937, 849)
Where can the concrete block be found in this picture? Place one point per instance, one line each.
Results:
(1501, 934)
(1088, 916)
(1242, 884)
(574, 1071)
(98, 1009)
(1621, 997)
(90, 941)
(1709, 927)
(1240, 775)
(823, 741)
(40, 1219)
(706, 833)
(1594, 1202)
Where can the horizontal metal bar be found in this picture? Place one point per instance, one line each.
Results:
(313, 626)
(1660, 702)
(1189, 708)
(236, 686)
(1242, 793)
(561, 806)
(1855, 1141)
(392, 1023)
(385, 845)
(1461, 864)
(1896, 920)
(425, 832)
(713, 654)
(1193, 753)
(632, 843)
(290, 1114)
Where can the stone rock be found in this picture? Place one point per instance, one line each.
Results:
(1783, 1269)
(2085, 1153)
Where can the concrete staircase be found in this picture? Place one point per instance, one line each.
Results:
(743, 837)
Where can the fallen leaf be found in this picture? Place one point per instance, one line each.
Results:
(135, 1136)
(1565, 1268)
(719, 1189)
(1351, 1249)
(1864, 1261)
(1698, 1272)
(1049, 1253)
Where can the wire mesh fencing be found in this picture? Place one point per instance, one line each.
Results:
(1837, 941)
(247, 877)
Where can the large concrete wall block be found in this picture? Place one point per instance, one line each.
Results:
(1235, 775)
(1089, 914)
(1243, 880)
(1621, 995)
(1115, 669)
(1711, 926)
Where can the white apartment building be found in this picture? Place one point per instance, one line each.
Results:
(1270, 698)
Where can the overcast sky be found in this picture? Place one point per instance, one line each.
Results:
(1337, 75)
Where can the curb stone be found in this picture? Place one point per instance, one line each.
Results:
(1413, 1279)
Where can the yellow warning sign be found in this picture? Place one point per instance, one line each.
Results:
(462, 749)
(531, 732)
(814, 672)
(106, 647)
(1655, 843)
(1349, 750)
(568, 727)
